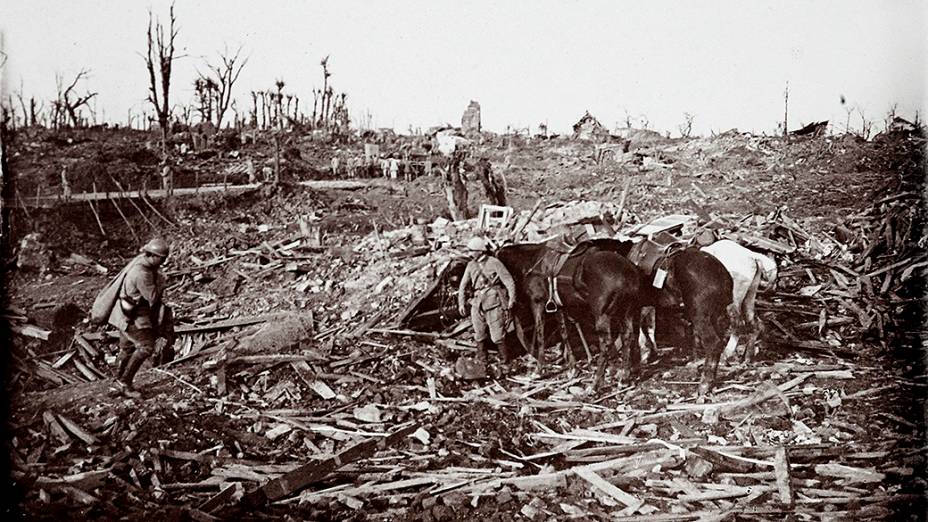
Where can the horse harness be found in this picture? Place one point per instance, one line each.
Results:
(652, 256)
(549, 266)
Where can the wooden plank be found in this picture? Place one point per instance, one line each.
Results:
(313, 472)
(223, 325)
(728, 462)
(79, 432)
(89, 348)
(85, 371)
(781, 470)
(612, 490)
(31, 330)
(62, 360)
(277, 359)
(55, 427)
(54, 201)
(850, 473)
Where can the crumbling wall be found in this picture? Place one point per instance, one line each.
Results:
(470, 121)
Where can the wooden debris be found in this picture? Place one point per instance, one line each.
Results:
(781, 470)
(76, 430)
(849, 473)
(613, 491)
(30, 330)
(298, 479)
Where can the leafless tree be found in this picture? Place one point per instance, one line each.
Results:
(32, 114)
(326, 92)
(866, 126)
(160, 61)
(686, 128)
(204, 89)
(786, 110)
(890, 116)
(278, 98)
(222, 75)
(67, 105)
(848, 109)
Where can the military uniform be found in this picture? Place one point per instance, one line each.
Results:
(140, 315)
(493, 296)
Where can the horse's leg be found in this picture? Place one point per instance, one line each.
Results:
(586, 346)
(604, 332)
(565, 343)
(621, 366)
(633, 320)
(689, 334)
(750, 320)
(708, 339)
(538, 345)
(646, 330)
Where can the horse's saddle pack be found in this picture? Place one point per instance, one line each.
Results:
(650, 254)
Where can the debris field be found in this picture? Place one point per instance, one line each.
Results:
(305, 388)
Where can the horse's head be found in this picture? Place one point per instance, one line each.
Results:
(768, 272)
(520, 258)
(623, 248)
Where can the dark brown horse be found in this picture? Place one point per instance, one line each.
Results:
(698, 282)
(704, 286)
(598, 288)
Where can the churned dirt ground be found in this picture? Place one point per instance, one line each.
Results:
(292, 359)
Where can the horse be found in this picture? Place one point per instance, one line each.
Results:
(749, 271)
(692, 279)
(598, 288)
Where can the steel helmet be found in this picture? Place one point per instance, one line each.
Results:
(157, 246)
(477, 244)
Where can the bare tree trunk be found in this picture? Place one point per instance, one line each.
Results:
(494, 184)
(786, 111)
(315, 104)
(160, 57)
(276, 157)
(455, 190)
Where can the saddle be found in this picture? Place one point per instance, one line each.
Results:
(559, 251)
(650, 254)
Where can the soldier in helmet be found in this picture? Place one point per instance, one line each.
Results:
(494, 294)
(140, 314)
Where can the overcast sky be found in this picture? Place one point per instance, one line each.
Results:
(419, 63)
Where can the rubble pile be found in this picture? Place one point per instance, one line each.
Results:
(296, 393)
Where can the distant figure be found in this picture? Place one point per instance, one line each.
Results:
(351, 165)
(385, 167)
(65, 186)
(250, 169)
(334, 166)
(394, 168)
(167, 179)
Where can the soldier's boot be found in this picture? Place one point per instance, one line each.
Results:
(166, 354)
(483, 351)
(505, 356)
(125, 353)
(128, 375)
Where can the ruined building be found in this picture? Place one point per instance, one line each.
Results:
(470, 121)
(589, 128)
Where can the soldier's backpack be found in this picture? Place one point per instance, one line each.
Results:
(106, 299)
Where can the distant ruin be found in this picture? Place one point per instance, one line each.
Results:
(589, 128)
(470, 121)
